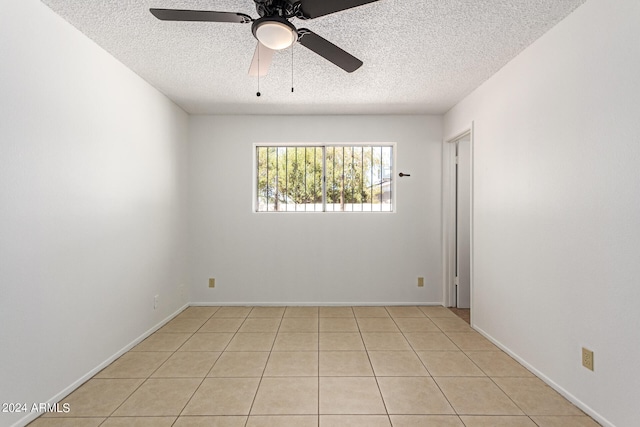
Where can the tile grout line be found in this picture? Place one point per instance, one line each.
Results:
(376, 376)
(265, 365)
(425, 366)
(318, 417)
(486, 376)
(144, 380)
(225, 348)
(205, 376)
(509, 397)
(154, 371)
(384, 404)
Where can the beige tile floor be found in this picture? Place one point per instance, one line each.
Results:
(316, 366)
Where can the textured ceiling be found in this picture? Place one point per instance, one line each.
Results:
(419, 56)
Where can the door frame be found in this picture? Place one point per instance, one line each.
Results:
(449, 216)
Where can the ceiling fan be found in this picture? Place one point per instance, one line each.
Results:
(274, 31)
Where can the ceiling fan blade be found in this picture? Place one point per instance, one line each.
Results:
(314, 8)
(199, 15)
(261, 60)
(328, 50)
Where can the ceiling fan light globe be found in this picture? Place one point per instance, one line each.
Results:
(276, 35)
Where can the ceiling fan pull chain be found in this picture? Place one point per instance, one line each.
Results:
(258, 93)
(292, 67)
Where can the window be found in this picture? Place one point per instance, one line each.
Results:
(324, 178)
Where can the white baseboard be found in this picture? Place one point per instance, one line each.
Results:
(314, 304)
(68, 390)
(570, 397)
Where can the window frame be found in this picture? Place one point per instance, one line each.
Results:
(323, 145)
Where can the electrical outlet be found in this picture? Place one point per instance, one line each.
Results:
(212, 282)
(420, 282)
(156, 301)
(587, 358)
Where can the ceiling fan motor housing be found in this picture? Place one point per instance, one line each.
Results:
(282, 8)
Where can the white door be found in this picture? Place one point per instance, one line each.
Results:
(463, 222)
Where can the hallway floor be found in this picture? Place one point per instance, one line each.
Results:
(463, 313)
(316, 366)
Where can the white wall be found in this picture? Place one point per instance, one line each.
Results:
(320, 258)
(557, 206)
(92, 199)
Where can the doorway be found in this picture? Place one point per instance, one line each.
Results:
(457, 216)
(463, 222)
